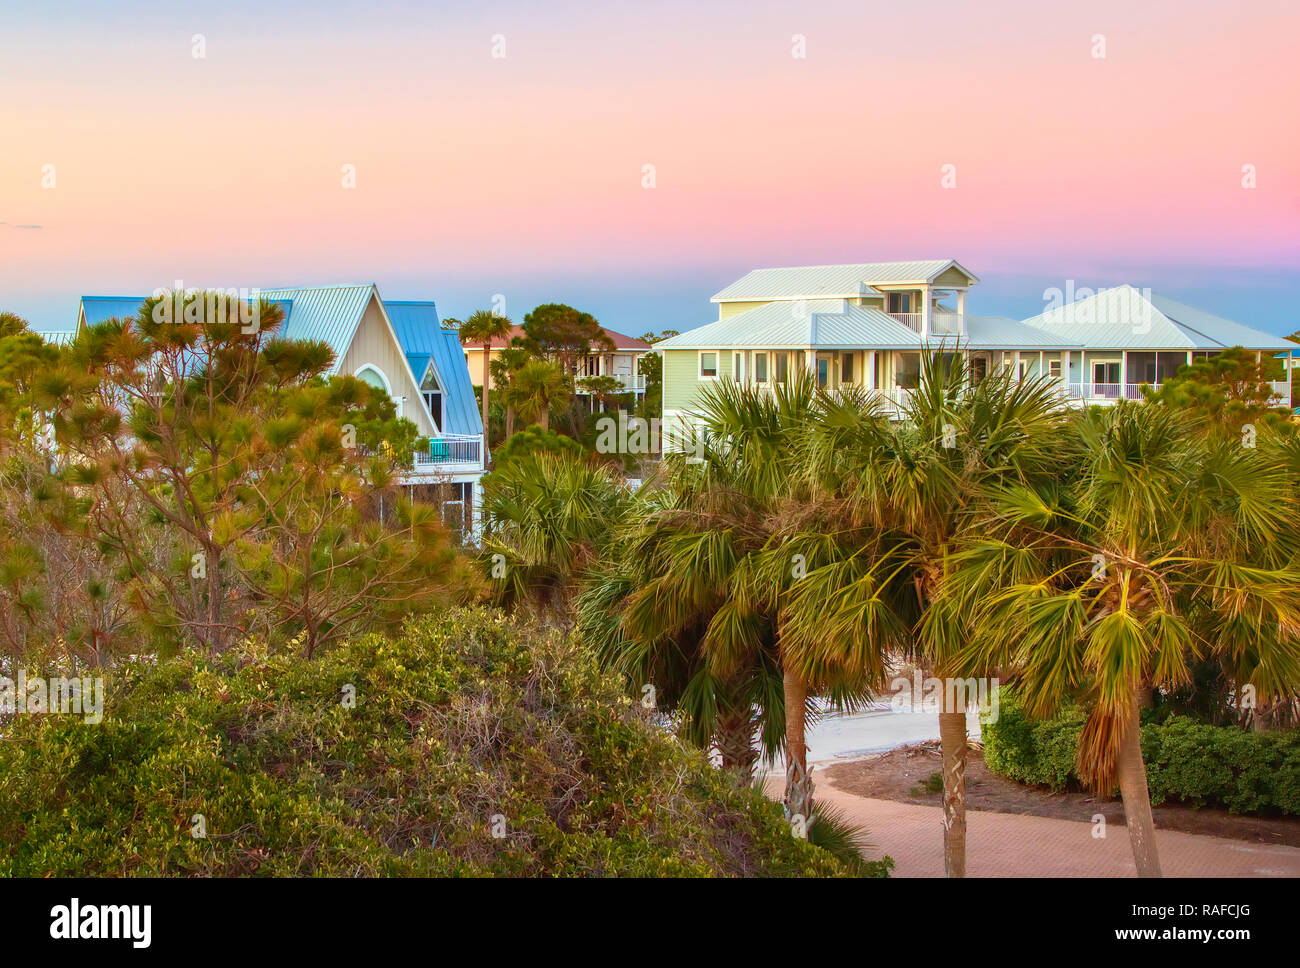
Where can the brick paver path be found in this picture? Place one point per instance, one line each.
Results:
(1012, 845)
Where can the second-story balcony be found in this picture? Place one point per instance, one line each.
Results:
(941, 323)
(631, 382)
(450, 454)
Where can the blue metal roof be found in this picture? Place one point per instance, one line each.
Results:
(330, 314)
(100, 309)
(423, 338)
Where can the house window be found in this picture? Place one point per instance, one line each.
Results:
(782, 367)
(709, 365)
(846, 368)
(908, 374)
(760, 367)
(900, 302)
(1106, 373)
(1054, 369)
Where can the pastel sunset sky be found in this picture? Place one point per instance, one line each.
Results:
(523, 175)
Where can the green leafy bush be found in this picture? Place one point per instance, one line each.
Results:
(1187, 761)
(463, 722)
(534, 440)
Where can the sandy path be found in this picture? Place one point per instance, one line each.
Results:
(1011, 845)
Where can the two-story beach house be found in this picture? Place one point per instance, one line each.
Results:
(868, 325)
(398, 346)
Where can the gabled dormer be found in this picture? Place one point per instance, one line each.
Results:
(929, 296)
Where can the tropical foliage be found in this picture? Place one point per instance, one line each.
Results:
(471, 745)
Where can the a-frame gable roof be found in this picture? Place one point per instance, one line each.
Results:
(426, 344)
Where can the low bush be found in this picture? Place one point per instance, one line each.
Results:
(475, 745)
(1187, 761)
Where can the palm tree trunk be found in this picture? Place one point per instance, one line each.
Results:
(510, 421)
(1137, 797)
(486, 353)
(1146, 695)
(733, 734)
(953, 743)
(798, 784)
(544, 418)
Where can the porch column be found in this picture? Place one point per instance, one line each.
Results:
(1083, 374)
(1015, 364)
(925, 312)
(869, 369)
(961, 312)
(1123, 374)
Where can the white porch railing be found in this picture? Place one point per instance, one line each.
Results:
(632, 382)
(450, 449)
(1106, 391)
(941, 324)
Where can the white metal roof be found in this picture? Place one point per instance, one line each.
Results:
(999, 332)
(844, 281)
(800, 324)
(1125, 318)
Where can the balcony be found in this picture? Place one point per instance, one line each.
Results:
(631, 382)
(450, 454)
(941, 324)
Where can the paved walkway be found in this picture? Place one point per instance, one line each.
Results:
(1012, 845)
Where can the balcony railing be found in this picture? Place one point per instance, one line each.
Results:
(1105, 391)
(632, 382)
(941, 324)
(450, 449)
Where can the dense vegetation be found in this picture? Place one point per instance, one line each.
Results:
(200, 514)
(1187, 761)
(807, 541)
(464, 726)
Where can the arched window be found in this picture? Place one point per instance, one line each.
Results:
(375, 377)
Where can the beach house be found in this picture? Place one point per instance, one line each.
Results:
(869, 324)
(398, 346)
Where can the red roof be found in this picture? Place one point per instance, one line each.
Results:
(621, 341)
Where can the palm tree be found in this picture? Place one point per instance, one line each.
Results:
(536, 387)
(549, 517)
(483, 326)
(1157, 545)
(509, 361)
(728, 551)
(651, 631)
(903, 494)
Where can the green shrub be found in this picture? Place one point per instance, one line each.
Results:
(534, 440)
(461, 718)
(1187, 761)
